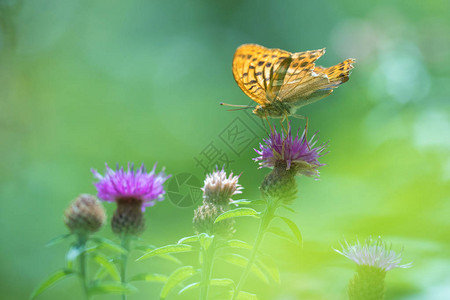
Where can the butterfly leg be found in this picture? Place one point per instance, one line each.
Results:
(270, 126)
(282, 126)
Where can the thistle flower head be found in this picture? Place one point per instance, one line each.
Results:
(292, 152)
(85, 215)
(139, 184)
(373, 253)
(219, 187)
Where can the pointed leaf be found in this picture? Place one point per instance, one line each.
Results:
(72, 255)
(149, 277)
(108, 265)
(58, 239)
(246, 296)
(239, 244)
(269, 266)
(100, 274)
(110, 245)
(222, 282)
(248, 202)
(189, 287)
(52, 279)
(188, 239)
(178, 276)
(112, 288)
(177, 248)
(294, 229)
(242, 261)
(279, 232)
(288, 208)
(205, 240)
(167, 257)
(238, 212)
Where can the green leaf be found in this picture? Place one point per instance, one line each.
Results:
(100, 274)
(108, 265)
(110, 245)
(178, 276)
(111, 288)
(242, 261)
(149, 277)
(177, 248)
(58, 239)
(189, 287)
(213, 282)
(269, 266)
(167, 257)
(248, 202)
(288, 208)
(239, 244)
(52, 279)
(205, 240)
(222, 282)
(72, 254)
(294, 230)
(246, 296)
(279, 232)
(238, 212)
(188, 239)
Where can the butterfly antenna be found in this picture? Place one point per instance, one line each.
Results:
(236, 105)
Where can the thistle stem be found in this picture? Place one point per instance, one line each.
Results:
(208, 262)
(82, 239)
(265, 221)
(125, 243)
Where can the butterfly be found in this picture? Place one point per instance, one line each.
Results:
(281, 81)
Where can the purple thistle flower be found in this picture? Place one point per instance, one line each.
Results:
(291, 151)
(131, 184)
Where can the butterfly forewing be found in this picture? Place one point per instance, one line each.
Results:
(253, 67)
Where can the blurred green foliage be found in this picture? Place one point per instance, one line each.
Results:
(88, 82)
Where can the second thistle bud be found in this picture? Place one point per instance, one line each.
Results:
(85, 215)
(204, 217)
(128, 218)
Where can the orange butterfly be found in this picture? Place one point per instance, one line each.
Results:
(281, 81)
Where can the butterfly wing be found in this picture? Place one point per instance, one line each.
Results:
(305, 83)
(253, 70)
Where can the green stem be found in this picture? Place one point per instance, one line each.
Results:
(208, 262)
(265, 221)
(123, 271)
(82, 239)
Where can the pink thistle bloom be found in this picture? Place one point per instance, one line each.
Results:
(131, 184)
(291, 151)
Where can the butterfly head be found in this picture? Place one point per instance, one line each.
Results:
(261, 112)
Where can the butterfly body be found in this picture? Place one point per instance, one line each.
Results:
(281, 82)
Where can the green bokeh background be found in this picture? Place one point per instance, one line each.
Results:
(88, 82)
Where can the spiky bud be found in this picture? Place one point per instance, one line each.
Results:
(204, 217)
(128, 218)
(85, 215)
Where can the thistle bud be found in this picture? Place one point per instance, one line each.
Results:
(85, 215)
(128, 219)
(204, 217)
